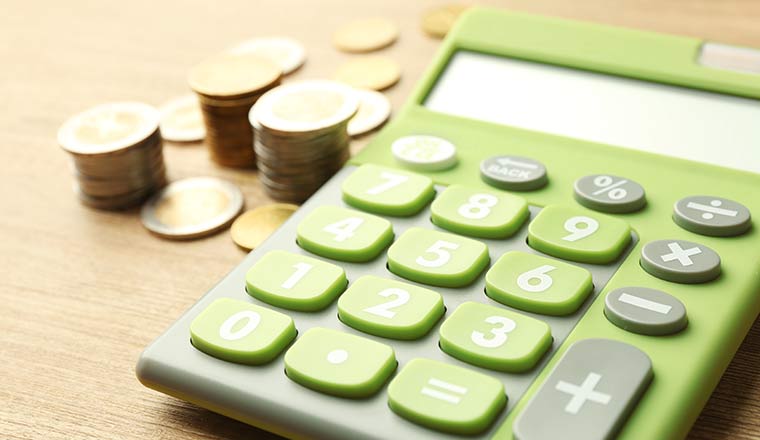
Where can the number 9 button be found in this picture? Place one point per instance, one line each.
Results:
(478, 213)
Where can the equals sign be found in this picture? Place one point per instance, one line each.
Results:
(452, 393)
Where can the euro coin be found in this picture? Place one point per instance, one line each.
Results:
(374, 110)
(371, 72)
(365, 35)
(181, 120)
(252, 227)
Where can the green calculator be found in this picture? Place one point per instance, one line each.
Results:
(551, 240)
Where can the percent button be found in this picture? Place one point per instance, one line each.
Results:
(608, 193)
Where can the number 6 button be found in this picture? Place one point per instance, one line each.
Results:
(578, 235)
(437, 258)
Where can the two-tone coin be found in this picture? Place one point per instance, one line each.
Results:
(374, 110)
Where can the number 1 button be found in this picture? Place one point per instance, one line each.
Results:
(578, 235)
(387, 191)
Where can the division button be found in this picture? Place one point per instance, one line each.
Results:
(715, 216)
(589, 394)
(645, 311)
(513, 173)
(608, 193)
(680, 261)
(424, 153)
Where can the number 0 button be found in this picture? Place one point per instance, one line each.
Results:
(437, 258)
(578, 235)
(479, 213)
(387, 191)
(344, 234)
(237, 331)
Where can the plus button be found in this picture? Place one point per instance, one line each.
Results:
(582, 393)
(682, 255)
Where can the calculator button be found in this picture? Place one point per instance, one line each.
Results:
(578, 235)
(389, 308)
(437, 258)
(645, 311)
(387, 191)
(680, 261)
(588, 395)
(446, 397)
(241, 332)
(424, 153)
(538, 284)
(513, 173)
(479, 213)
(708, 215)
(344, 234)
(338, 363)
(608, 193)
(295, 282)
(495, 338)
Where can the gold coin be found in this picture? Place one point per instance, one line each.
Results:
(437, 22)
(253, 227)
(373, 72)
(181, 120)
(233, 75)
(365, 35)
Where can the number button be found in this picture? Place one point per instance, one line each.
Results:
(387, 191)
(237, 331)
(446, 397)
(538, 284)
(344, 234)
(437, 258)
(390, 309)
(577, 235)
(495, 338)
(478, 213)
(340, 364)
(295, 282)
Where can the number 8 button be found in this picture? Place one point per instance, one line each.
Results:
(478, 213)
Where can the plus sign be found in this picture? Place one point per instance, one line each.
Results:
(682, 255)
(583, 393)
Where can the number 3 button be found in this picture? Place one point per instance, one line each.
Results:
(578, 235)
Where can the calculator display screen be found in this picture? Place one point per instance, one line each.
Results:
(692, 124)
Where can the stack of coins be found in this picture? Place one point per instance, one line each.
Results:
(227, 86)
(301, 138)
(116, 153)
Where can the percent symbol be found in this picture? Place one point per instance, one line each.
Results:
(611, 187)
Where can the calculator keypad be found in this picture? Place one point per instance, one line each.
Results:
(387, 191)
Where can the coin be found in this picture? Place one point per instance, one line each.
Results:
(181, 120)
(252, 227)
(374, 110)
(286, 52)
(233, 75)
(436, 22)
(192, 208)
(371, 72)
(365, 35)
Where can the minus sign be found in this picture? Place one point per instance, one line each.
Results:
(644, 303)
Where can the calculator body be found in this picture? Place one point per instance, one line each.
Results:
(685, 366)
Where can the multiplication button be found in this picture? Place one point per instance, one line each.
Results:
(715, 216)
(645, 311)
(513, 173)
(680, 261)
(608, 193)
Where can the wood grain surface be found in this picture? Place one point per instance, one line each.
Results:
(82, 292)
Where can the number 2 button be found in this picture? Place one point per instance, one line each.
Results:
(478, 213)
(578, 235)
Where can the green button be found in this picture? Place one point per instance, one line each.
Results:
(494, 338)
(344, 234)
(387, 191)
(446, 397)
(578, 235)
(538, 284)
(389, 308)
(338, 363)
(237, 331)
(295, 282)
(437, 258)
(487, 214)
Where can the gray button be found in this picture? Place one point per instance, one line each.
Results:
(608, 193)
(714, 216)
(588, 395)
(645, 311)
(680, 261)
(513, 173)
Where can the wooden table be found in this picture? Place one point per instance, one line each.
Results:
(83, 291)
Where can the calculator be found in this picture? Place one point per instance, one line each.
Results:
(552, 239)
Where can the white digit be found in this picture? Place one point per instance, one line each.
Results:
(225, 331)
(478, 206)
(498, 334)
(536, 280)
(442, 256)
(576, 233)
(344, 229)
(392, 181)
(382, 309)
(301, 270)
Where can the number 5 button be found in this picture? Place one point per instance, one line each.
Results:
(578, 235)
